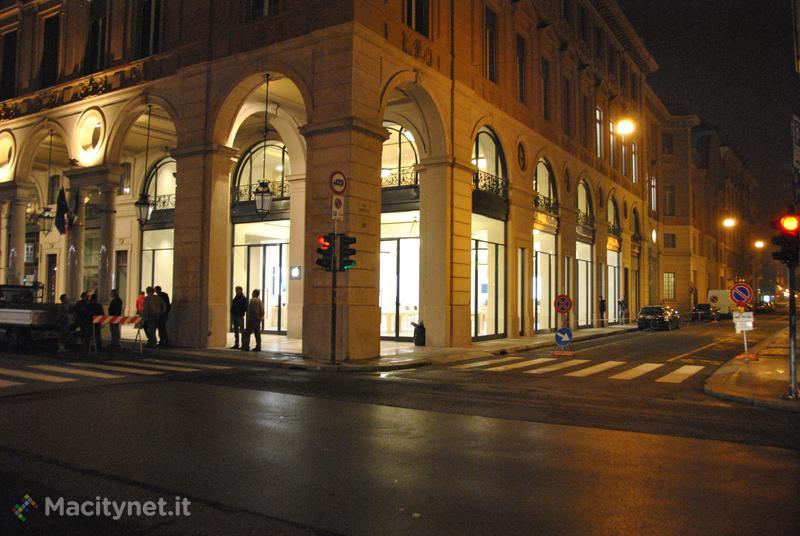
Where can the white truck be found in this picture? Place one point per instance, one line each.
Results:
(24, 316)
(721, 300)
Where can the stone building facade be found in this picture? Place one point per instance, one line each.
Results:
(486, 170)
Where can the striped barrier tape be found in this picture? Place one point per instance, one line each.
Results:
(107, 319)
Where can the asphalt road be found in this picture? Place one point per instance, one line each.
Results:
(433, 451)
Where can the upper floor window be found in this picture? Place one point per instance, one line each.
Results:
(160, 184)
(566, 10)
(669, 200)
(417, 16)
(544, 183)
(667, 143)
(583, 24)
(584, 122)
(584, 199)
(653, 195)
(546, 90)
(51, 46)
(522, 69)
(263, 162)
(94, 58)
(611, 146)
(612, 61)
(8, 65)
(263, 8)
(634, 162)
(150, 37)
(490, 164)
(399, 157)
(598, 132)
(490, 45)
(624, 149)
(567, 111)
(598, 43)
(669, 240)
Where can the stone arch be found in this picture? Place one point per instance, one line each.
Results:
(38, 134)
(130, 112)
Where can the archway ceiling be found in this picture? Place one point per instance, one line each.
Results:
(162, 132)
(60, 156)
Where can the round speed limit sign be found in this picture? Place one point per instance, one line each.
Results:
(338, 182)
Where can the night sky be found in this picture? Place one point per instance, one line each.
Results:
(731, 63)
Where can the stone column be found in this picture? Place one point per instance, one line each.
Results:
(201, 277)
(75, 244)
(107, 225)
(16, 250)
(297, 224)
(4, 214)
(353, 147)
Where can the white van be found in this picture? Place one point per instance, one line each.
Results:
(721, 299)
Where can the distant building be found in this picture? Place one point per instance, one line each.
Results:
(487, 168)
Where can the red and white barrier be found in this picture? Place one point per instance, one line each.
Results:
(108, 319)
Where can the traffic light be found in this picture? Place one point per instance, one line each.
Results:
(345, 251)
(327, 251)
(789, 227)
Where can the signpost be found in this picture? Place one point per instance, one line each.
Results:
(742, 294)
(563, 305)
(338, 184)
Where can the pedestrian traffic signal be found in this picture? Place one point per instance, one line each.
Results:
(345, 252)
(789, 227)
(327, 251)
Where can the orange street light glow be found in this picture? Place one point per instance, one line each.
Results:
(729, 222)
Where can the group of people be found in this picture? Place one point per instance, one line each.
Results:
(253, 309)
(153, 307)
(78, 316)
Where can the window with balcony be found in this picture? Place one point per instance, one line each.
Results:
(488, 160)
(598, 132)
(160, 184)
(522, 70)
(51, 46)
(94, 58)
(490, 30)
(8, 57)
(544, 185)
(150, 20)
(417, 16)
(399, 158)
(262, 162)
(546, 89)
(585, 217)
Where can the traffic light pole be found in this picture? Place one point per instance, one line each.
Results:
(792, 334)
(333, 292)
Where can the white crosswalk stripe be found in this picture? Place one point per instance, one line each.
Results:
(112, 368)
(681, 374)
(557, 366)
(6, 383)
(78, 372)
(522, 364)
(35, 376)
(487, 362)
(182, 363)
(635, 372)
(589, 371)
(157, 367)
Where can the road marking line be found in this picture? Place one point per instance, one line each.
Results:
(5, 383)
(677, 376)
(487, 362)
(557, 366)
(588, 371)
(700, 348)
(120, 369)
(78, 372)
(527, 363)
(204, 366)
(35, 376)
(157, 367)
(595, 346)
(635, 372)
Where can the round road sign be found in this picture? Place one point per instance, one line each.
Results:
(563, 337)
(741, 294)
(713, 299)
(563, 304)
(338, 182)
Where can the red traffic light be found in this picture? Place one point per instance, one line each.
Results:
(323, 242)
(790, 224)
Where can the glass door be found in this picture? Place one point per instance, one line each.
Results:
(399, 287)
(267, 266)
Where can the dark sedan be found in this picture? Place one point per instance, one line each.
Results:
(658, 317)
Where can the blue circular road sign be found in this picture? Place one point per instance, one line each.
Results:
(563, 337)
(741, 293)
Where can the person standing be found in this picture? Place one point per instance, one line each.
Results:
(602, 309)
(255, 314)
(153, 309)
(96, 309)
(83, 321)
(115, 309)
(140, 303)
(622, 308)
(238, 310)
(63, 321)
(162, 320)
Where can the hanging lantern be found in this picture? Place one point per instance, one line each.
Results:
(144, 208)
(45, 220)
(262, 195)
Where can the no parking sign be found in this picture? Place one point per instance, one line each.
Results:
(741, 294)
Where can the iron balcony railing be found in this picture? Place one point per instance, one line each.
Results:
(164, 202)
(614, 230)
(546, 204)
(585, 219)
(486, 182)
(395, 178)
(280, 190)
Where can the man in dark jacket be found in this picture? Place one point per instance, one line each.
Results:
(115, 309)
(238, 310)
(96, 309)
(83, 321)
(162, 320)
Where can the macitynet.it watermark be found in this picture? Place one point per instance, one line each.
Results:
(102, 507)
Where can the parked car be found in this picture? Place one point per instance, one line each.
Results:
(705, 312)
(762, 308)
(658, 316)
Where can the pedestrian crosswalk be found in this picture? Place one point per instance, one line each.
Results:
(664, 373)
(75, 371)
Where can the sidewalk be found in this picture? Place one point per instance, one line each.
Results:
(761, 383)
(279, 351)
